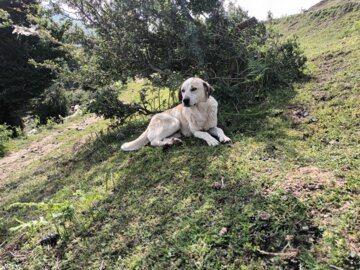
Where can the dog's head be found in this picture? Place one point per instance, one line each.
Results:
(194, 91)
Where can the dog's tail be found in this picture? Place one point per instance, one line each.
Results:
(136, 144)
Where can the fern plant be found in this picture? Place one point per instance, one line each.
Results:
(56, 216)
(60, 216)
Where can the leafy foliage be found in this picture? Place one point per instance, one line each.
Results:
(78, 96)
(33, 64)
(107, 104)
(53, 102)
(20, 80)
(161, 40)
(57, 215)
(5, 134)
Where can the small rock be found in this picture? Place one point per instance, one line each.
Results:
(329, 56)
(305, 114)
(219, 185)
(301, 113)
(77, 146)
(313, 120)
(33, 131)
(278, 113)
(305, 228)
(223, 231)
(326, 98)
(264, 216)
(216, 185)
(336, 141)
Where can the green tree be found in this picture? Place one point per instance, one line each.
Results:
(169, 40)
(21, 46)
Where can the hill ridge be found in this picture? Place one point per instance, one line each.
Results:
(330, 3)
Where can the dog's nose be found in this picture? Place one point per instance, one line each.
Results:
(186, 101)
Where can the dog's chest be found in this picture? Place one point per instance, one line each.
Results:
(202, 118)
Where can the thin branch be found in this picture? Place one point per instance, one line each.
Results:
(335, 267)
(290, 254)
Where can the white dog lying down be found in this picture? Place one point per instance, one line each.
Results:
(196, 115)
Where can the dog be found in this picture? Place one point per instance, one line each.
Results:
(196, 115)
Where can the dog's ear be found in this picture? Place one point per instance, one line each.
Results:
(208, 89)
(180, 95)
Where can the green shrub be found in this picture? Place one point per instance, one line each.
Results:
(106, 103)
(56, 215)
(5, 134)
(21, 79)
(52, 103)
(79, 96)
(175, 41)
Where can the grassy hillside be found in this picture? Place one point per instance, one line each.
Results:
(325, 4)
(290, 198)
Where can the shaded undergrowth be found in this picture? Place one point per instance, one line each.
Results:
(159, 209)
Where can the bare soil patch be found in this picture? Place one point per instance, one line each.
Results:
(17, 160)
(304, 182)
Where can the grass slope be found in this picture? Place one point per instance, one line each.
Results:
(291, 176)
(325, 4)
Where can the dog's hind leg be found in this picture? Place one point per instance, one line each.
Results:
(160, 128)
(176, 135)
(166, 141)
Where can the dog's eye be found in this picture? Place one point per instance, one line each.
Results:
(193, 89)
(183, 90)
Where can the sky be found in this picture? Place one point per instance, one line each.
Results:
(260, 8)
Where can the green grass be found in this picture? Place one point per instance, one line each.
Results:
(156, 98)
(325, 4)
(158, 209)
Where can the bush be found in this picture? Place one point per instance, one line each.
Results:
(52, 103)
(106, 103)
(275, 64)
(21, 80)
(79, 96)
(5, 134)
(235, 53)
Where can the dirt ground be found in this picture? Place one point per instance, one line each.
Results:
(16, 160)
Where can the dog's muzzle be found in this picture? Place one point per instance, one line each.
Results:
(186, 102)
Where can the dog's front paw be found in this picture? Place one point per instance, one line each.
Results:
(225, 139)
(213, 142)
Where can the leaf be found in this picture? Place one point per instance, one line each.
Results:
(27, 225)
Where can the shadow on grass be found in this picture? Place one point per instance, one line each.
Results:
(160, 208)
(164, 212)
